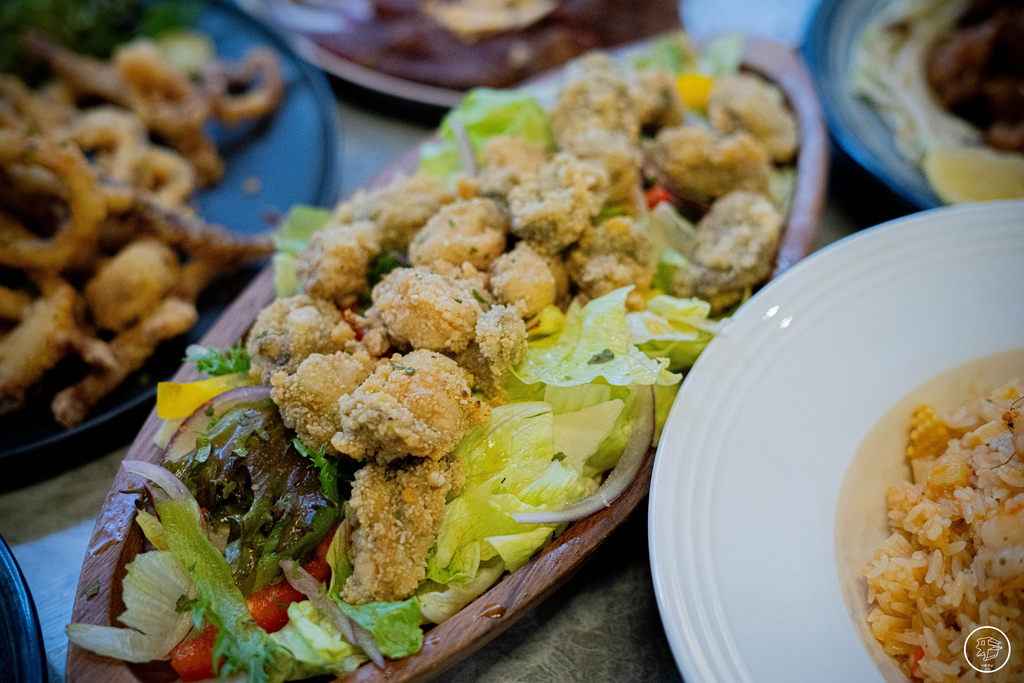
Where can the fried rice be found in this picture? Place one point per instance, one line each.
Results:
(955, 559)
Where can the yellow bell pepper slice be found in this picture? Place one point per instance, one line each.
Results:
(694, 90)
(180, 399)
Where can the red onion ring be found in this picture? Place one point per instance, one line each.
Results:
(181, 445)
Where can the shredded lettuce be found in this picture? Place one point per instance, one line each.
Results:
(154, 584)
(673, 330)
(722, 56)
(595, 342)
(438, 605)
(337, 558)
(579, 434)
(671, 52)
(292, 237)
(395, 625)
(668, 230)
(486, 113)
(316, 645)
(512, 466)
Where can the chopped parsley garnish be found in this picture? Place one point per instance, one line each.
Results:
(384, 264)
(404, 368)
(215, 363)
(479, 297)
(92, 589)
(602, 357)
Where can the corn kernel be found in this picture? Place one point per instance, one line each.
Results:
(929, 434)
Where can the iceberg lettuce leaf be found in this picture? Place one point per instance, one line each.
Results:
(395, 625)
(673, 330)
(486, 113)
(595, 342)
(316, 645)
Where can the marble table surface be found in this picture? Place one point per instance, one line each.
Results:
(601, 626)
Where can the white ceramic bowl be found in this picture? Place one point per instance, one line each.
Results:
(745, 495)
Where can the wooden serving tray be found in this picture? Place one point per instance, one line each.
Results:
(116, 540)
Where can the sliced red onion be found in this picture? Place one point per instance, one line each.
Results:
(467, 154)
(184, 440)
(160, 476)
(617, 480)
(354, 632)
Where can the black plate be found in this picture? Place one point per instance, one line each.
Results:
(295, 157)
(22, 657)
(855, 125)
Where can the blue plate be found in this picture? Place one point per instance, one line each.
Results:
(22, 657)
(294, 156)
(855, 126)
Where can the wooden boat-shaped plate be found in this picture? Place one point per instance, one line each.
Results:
(116, 539)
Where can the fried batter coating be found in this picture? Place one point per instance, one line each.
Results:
(117, 137)
(289, 330)
(131, 348)
(40, 112)
(257, 77)
(35, 345)
(170, 104)
(86, 205)
(399, 210)
(308, 399)
(699, 166)
(500, 344)
(333, 266)
(396, 514)
(525, 279)
(13, 303)
(552, 210)
(131, 284)
(432, 308)
(419, 404)
(615, 254)
(745, 102)
(507, 161)
(621, 160)
(656, 99)
(735, 249)
(467, 231)
(598, 98)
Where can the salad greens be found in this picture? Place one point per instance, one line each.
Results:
(248, 473)
(292, 236)
(595, 342)
(483, 114)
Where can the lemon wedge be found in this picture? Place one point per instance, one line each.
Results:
(974, 174)
(180, 399)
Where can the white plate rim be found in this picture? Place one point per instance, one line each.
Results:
(696, 628)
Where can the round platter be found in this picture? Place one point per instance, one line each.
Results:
(21, 641)
(307, 119)
(854, 124)
(747, 479)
